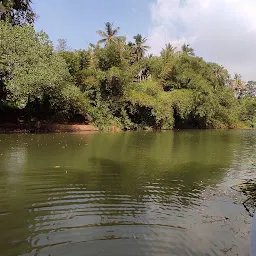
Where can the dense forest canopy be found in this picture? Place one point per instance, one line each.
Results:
(114, 82)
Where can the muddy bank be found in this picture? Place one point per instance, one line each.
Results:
(45, 128)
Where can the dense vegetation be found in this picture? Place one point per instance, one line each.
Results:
(114, 82)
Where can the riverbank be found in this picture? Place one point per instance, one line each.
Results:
(38, 127)
(45, 128)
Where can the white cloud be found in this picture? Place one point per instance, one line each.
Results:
(223, 31)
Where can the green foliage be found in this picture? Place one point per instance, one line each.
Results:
(168, 52)
(187, 50)
(248, 110)
(116, 85)
(102, 116)
(250, 89)
(88, 80)
(17, 12)
(155, 65)
(149, 106)
(32, 72)
(113, 83)
(182, 102)
(76, 60)
(73, 101)
(108, 57)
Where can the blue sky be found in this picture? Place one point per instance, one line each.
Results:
(223, 31)
(77, 21)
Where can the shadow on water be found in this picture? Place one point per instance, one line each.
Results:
(134, 193)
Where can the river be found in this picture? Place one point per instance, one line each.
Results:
(127, 193)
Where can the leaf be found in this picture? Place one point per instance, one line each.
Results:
(101, 33)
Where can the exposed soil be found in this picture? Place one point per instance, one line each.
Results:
(39, 127)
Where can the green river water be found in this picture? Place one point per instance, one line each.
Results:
(128, 193)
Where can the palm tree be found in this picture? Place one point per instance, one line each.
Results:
(139, 46)
(110, 35)
(130, 44)
(91, 50)
(237, 80)
(186, 49)
(217, 70)
(168, 51)
(131, 52)
(238, 85)
(220, 74)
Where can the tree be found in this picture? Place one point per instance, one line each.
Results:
(76, 60)
(248, 110)
(221, 75)
(238, 85)
(17, 12)
(131, 55)
(32, 73)
(139, 46)
(110, 34)
(251, 88)
(168, 51)
(237, 80)
(108, 57)
(62, 45)
(185, 91)
(186, 49)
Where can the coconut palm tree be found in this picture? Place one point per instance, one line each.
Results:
(110, 35)
(221, 75)
(91, 50)
(131, 52)
(238, 85)
(139, 46)
(168, 51)
(186, 49)
(237, 80)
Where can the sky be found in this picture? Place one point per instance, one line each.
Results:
(223, 31)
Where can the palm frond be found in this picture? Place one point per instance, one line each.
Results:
(101, 33)
(131, 44)
(101, 41)
(144, 40)
(115, 31)
(109, 29)
(121, 38)
(138, 39)
(93, 46)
